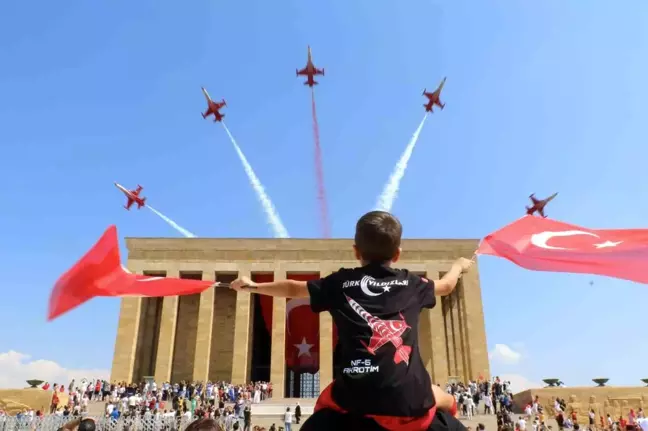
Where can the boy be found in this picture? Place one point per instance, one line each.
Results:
(376, 309)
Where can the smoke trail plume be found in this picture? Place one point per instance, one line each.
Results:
(173, 224)
(319, 172)
(390, 192)
(269, 209)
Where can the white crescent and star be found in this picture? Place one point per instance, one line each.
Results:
(364, 286)
(541, 239)
(291, 305)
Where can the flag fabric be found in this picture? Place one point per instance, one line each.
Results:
(100, 273)
(542, 244)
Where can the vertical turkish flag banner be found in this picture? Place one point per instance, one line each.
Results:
(542, 244)
(302, 332)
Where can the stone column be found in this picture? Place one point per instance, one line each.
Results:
(278, 341)
(474, 324)
(126, 341)
(453, 302)
(241, 334)
(462, 331)
(437, 339)
(204, 330)
(166, 339)
(325, 344)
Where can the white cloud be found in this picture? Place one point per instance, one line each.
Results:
(519, 383)
(16, 368)
(503, 354)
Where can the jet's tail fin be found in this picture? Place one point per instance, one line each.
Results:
(143, 203)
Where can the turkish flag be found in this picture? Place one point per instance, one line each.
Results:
(100, 273)
(542, 244)
(302, 332)
(302, 336)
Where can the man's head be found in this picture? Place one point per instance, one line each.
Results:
(378, 238)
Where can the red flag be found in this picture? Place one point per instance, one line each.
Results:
(543, 244)
(302, 336)
(100, 273)
(302, 332)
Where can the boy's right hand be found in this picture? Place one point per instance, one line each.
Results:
(463, 264)
(240, 284)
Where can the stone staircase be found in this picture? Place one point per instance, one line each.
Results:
(276, 407)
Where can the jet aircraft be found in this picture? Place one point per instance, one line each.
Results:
(433, 98)
(539, 204)
(133, 196)
(310, 71)
(213, 108)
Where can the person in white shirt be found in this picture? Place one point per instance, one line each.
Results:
(521, 424)
(469, 405)
(288, 418)
(488, 404)
(132, 403)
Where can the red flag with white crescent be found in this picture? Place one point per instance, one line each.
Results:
(302, 336)
(100, 273)
(542, 244)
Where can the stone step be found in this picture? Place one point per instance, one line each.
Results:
(277, 407)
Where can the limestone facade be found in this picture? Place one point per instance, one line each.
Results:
(210, 336)
(617, 401)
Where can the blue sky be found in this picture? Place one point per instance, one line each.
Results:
(541, 97)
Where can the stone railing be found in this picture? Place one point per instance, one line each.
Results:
(53, 423)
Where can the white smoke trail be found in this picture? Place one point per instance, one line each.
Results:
(173, 224)
(390, 192)
(269, 209)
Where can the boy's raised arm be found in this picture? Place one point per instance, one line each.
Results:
(279, 288)
(448, 282)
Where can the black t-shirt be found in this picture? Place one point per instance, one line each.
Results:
(376, 310)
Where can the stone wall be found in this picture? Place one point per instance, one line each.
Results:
(14, 401)
(614, 400)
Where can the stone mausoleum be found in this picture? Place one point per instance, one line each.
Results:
(240, 337)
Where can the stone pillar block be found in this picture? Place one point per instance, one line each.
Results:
(166, 341)
(204, 334)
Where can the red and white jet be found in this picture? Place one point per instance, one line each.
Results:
(433, 98)
(133, 196)
(383, 332)
(539, 204)
(213, 108)
(310, 71)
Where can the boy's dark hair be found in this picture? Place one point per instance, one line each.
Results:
(378, 236)
(87, 425)
(204, 425)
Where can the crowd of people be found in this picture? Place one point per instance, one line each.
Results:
(228, 404)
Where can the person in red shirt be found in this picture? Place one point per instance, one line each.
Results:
(383, 384)
(55, 402)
